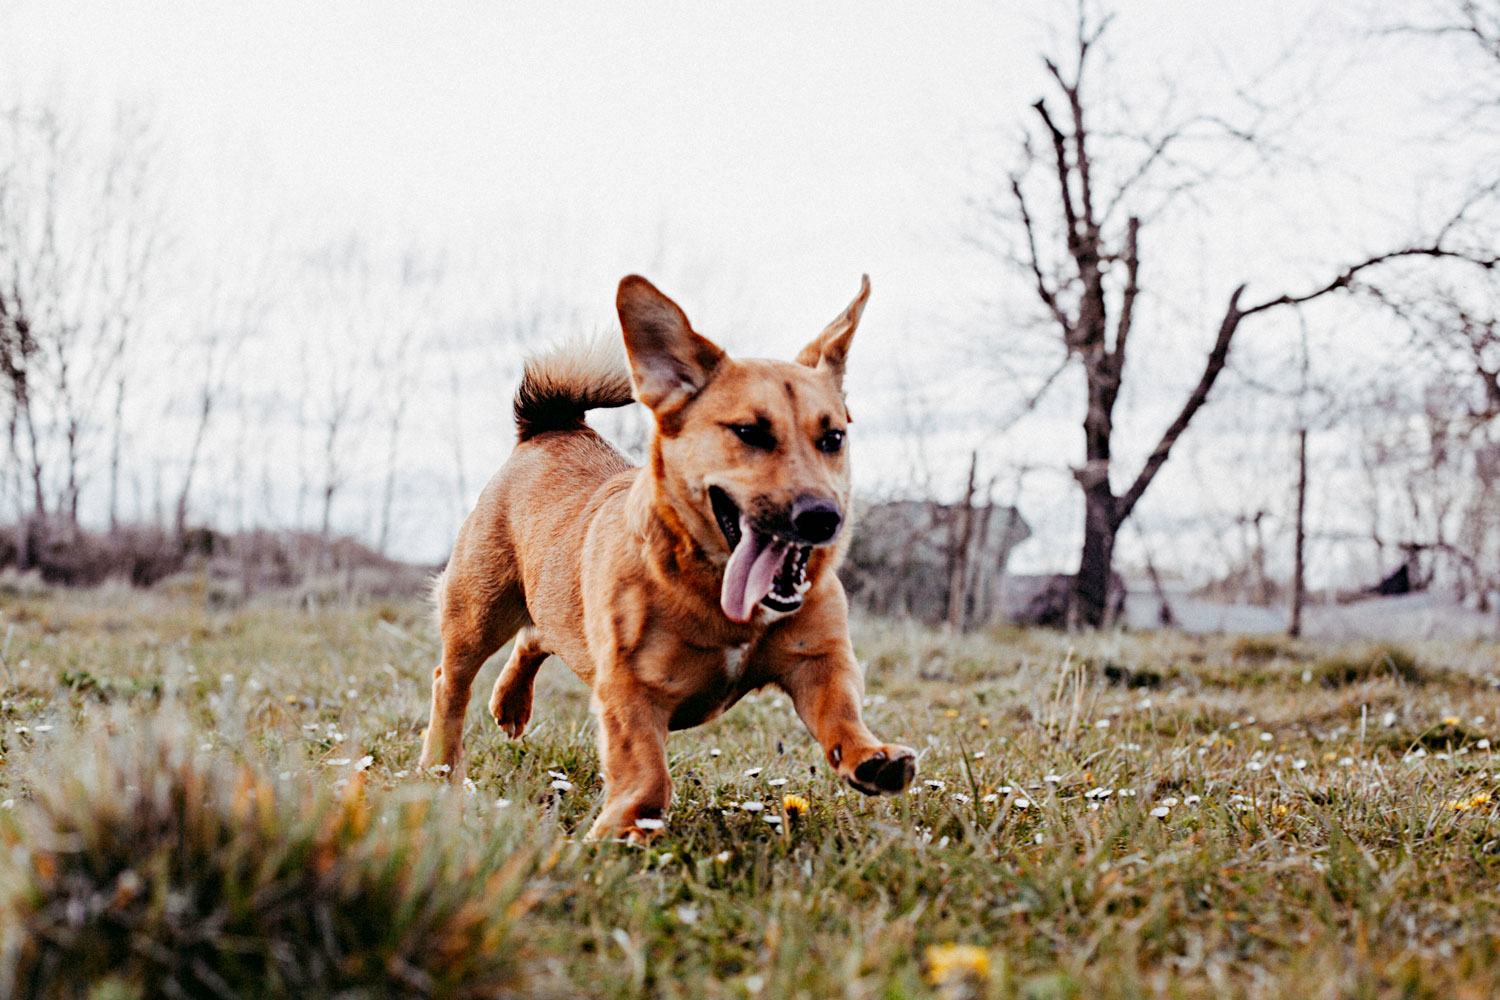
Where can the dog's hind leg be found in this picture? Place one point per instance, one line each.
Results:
(474, 624)
(510, 703)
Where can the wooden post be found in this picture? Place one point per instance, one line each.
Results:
(960, 537)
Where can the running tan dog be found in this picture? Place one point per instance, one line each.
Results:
(672, 589)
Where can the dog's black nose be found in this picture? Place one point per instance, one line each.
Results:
(815, 520)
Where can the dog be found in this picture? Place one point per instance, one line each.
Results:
(675, 588)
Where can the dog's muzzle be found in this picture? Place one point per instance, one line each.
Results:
(769, 567)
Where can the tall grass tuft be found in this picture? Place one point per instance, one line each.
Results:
(1349, 667)
(140, 866)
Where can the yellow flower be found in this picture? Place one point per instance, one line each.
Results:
(952, 713)
(795, 806)
(1472, 802)
(1450, 720)
(984, 722)
(951, 963)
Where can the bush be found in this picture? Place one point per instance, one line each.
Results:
(1259, 648)
(146, 874)
(221, 569)
(1374, 663)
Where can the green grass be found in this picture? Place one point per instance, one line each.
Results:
(189, 811)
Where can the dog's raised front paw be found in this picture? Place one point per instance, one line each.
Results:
(887, 771)
(511, 707)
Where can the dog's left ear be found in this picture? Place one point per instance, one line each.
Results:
(669, 362)
(830, 349)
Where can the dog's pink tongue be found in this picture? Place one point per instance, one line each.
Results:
(750, 571)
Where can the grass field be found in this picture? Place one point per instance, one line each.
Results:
(206, 803)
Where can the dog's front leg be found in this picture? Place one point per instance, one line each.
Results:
(633, 756)
(827, 691)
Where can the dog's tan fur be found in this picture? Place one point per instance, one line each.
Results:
(619, 570)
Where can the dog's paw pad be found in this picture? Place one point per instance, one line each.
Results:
(884, 774)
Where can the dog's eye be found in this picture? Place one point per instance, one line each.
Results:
(831, 443)
(755, 435)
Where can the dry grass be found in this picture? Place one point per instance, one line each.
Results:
(1107, 816)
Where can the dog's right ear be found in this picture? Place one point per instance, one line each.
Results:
(830, 349)
(669, 363)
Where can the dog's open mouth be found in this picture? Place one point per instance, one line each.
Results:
(762, 569)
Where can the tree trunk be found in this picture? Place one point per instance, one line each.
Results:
(205, 411)
(1298, 580)
(325, 525)
(388, 493)
(1090, 604)
(23, 521)
(1261, 593)
(114, 457)
(38, 496)
(68, 507)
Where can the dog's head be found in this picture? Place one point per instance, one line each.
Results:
(748, 454)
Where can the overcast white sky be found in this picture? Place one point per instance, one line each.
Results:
(761, 155)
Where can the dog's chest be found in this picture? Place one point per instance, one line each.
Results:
(717, 689)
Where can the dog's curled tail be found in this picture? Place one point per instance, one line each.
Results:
(559, 386)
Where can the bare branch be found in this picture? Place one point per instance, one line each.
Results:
(1060, 155)
(1032, 401)
(1211, 369)
(1048, 297)
(1072, 90)
(1476, 196)
(1127, 297)
(1157, 151)
(1345, 278)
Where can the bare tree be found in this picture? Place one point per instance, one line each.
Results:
(334, 350)
(132, 221)
(17, 350)
(398, 361)
(1089, 285)
(80, 232)
(1433, 434)
(235, 312)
